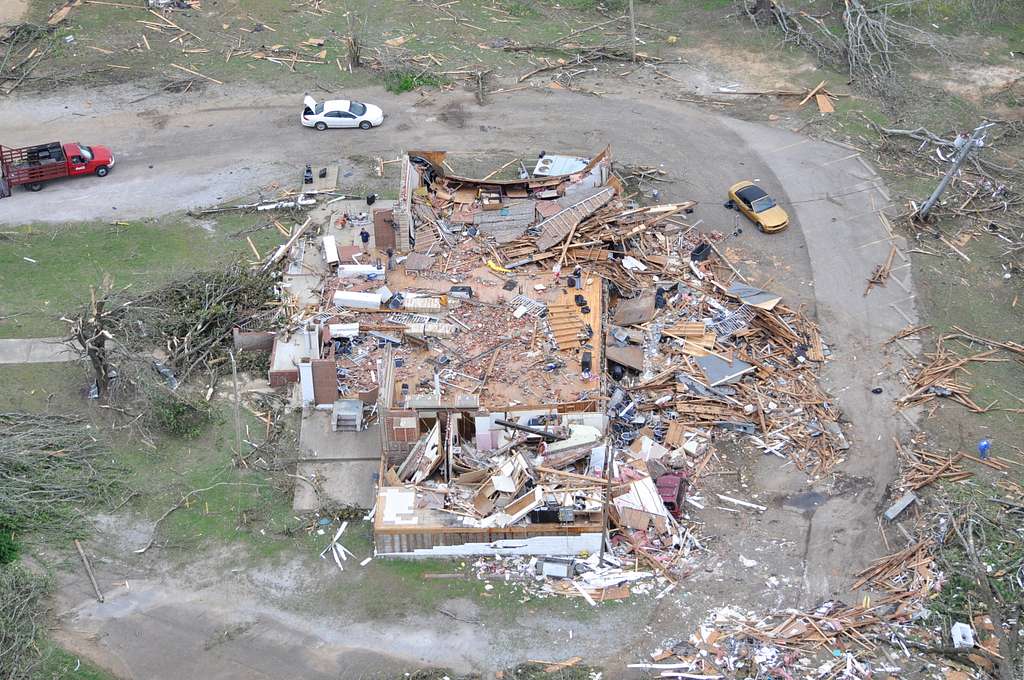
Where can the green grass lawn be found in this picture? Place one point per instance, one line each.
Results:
(245, 506)
(60, 664)
(42, 387)
(390, 588)
(248, 506)
(70, 258)
(976, 297)
(108, 39)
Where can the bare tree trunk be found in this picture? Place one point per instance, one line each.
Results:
(353, 44)
(90, 334)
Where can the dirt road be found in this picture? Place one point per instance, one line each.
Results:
(174, 154)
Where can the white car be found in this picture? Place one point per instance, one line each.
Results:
(340, 113)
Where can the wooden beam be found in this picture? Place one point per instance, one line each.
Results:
(811, 94)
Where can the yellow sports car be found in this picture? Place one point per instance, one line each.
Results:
(759, 207)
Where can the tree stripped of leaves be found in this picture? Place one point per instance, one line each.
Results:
(868, 43)
(142, 348)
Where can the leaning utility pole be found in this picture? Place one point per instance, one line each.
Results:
(964, 150)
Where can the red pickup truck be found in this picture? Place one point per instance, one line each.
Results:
(34, 165)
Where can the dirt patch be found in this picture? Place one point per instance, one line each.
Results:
(975, 82)
(453, 115)
(11, 11)
(155, 118)
(747, 66)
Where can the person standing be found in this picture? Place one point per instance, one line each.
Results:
(364, 236)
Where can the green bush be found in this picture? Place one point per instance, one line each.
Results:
(520, 9)
(253, 361)
(594, 5)
(405, 80)
(8, 546)
(181, 417)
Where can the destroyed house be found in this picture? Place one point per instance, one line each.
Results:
(514, 363)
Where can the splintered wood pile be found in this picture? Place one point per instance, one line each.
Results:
(937, 378)
(907, 574)
(833, 640)
(921, 468)
(782, 644)
(655, 235)
(822, 97)
(749, 369)
(882, 272)
(831, 624)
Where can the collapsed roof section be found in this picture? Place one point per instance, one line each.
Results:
(504, 207)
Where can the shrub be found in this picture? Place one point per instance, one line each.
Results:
(181, 417)
(405, 80)
(8, 546)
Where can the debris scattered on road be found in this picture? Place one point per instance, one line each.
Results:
(882, 272)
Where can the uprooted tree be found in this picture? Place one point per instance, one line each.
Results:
(143, 348)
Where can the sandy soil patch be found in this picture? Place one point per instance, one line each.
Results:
(11, 11)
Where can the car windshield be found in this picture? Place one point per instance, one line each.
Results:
(87, 153)
(762, 204)
(357, 108)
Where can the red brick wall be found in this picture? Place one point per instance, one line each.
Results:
(325, 381)
(283, 378)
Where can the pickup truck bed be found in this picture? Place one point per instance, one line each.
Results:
(33, 163)
(33, 166)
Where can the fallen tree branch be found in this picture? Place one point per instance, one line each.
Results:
(51, 468)
(868, 43)
(23, 614)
